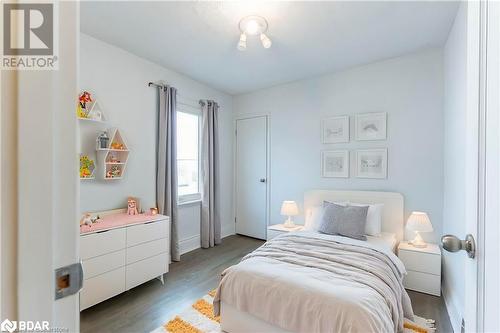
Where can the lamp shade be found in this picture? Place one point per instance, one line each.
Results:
(289, 208)
(419, 221)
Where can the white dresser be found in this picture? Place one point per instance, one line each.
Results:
(121, 257)
(423, 266)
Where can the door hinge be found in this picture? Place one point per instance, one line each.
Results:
(235, 220)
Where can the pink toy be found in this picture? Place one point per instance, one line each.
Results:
(132, 206)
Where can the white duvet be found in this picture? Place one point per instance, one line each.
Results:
(311, 282)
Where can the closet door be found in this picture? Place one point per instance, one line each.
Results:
(251, 176)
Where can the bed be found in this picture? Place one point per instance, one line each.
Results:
(311, 282)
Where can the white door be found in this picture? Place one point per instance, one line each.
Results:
(251, 177)
(481, 272)
(48, 228)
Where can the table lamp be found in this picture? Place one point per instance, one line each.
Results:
(419, 222)
(289, 208)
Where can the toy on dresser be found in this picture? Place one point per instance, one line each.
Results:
(87, 219)
(132, 206)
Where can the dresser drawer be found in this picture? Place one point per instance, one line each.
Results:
(102, 264)
(145, 270)
(421, 262)
(102, 287)
(146, 232)
(146, 250)
(423, 282)
(102, 242)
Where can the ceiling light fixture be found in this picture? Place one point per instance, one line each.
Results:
(253, 25)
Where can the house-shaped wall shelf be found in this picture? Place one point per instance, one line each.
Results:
(95, 113)
(112, 161)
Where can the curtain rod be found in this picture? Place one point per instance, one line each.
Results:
(187, 99)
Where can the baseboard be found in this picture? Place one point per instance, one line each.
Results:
(227, 230)
(189, 244)
(455, 317)
(194, 242)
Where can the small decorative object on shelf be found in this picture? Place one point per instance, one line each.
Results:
(113, 158)
(102, 141)
(132, 206)
(83, 100)
(87, 167)
(117, 146)
(153, 211)
(89, 109)
(113, 172)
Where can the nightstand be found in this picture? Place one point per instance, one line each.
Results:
(278, 229)
(423, 266)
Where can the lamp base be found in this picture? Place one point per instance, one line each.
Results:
(418, 241)
(289, 223)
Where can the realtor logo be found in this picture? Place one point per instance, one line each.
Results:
(29, 40)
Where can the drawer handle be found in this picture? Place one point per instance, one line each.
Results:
(101, 231)
(151, 222)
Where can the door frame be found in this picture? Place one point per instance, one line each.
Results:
(482, 292)
(48, 180)
(268, 163)
(488, 295)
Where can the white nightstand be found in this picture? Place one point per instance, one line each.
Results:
(278, 229)
(423, 266)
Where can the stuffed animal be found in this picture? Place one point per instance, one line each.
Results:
(86, 220)
(132, 206)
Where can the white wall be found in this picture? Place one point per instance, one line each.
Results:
(455, 113)
(118, 79)
(408, 88)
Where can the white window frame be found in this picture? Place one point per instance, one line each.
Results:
(194, 197)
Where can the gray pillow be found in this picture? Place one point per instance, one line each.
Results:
(348, 221)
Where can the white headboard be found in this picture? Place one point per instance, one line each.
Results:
(392, 214)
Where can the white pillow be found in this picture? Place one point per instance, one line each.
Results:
(373, 218)
(314, 216)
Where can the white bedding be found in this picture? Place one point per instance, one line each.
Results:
(386, 240)
(343, 284)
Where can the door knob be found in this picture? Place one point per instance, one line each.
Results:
(452, 243)
(262, 180)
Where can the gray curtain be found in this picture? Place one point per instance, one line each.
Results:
(166, 163)
(210, 193)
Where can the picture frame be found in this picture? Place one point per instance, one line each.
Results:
(335, 164)
(335, 129)
(370, 126)
(371, 163)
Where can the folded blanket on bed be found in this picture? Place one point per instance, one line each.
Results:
(309, 282)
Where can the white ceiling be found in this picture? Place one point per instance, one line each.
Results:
(309, 38)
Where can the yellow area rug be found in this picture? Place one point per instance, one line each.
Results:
(199, 318)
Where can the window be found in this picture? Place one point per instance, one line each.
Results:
(188, 167)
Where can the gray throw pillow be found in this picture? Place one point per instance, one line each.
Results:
(348, 221)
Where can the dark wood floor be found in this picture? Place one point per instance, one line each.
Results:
(150, 305)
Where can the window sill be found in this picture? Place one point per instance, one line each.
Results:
(188, 202)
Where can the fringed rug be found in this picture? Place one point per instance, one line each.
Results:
(199, 318)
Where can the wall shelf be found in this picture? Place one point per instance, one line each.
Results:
(95, 113)
(113, 160)
(92, 120)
